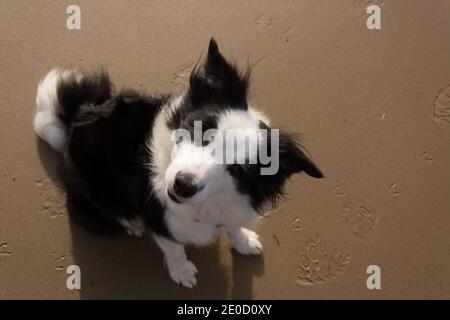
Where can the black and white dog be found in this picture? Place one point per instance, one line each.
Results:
(126, 170)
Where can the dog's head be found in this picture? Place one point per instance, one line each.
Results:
(221, 144)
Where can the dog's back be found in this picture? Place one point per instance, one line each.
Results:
(102, 136)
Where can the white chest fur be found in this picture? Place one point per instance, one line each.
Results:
(201, 224)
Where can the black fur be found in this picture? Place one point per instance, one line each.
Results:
(95, 88)
(217, 82)
(267, 189)
(105, 158)
(217, 85)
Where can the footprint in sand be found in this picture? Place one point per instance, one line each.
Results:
(4, 251)
(441, 106)
(296, 225)
(288, 35)
(320, 264)
(264, 21)
(53, 199)
(426, 158)
(59, 261)
(360, 218)
(393, 190)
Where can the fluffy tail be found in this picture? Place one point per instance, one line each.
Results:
(59, 97)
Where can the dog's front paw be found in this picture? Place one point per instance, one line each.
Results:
(246, 242)
(183, 273)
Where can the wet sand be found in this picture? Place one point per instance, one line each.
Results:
(373, 108)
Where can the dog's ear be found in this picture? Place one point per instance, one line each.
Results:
(218, 81)
(293, 159)
(215, 60)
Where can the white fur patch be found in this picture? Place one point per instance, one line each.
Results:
(238, 119)
(241, 127)
(46, 122)
(245, 241)
(181, 270)
(196, 220)
(161, 147)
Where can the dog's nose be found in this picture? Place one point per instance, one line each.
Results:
(184, 185)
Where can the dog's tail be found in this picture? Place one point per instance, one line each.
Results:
(59, 98)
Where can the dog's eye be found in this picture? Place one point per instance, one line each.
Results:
(178, 140)
(206, 142)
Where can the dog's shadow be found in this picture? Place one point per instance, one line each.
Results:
(123, 268)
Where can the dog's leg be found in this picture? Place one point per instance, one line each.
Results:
(181, 270)
(245, 241)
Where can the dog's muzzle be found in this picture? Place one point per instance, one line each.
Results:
(173, 197)
(184, 187)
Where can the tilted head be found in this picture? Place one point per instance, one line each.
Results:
(219, 144)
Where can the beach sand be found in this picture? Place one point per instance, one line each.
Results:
(373, 108)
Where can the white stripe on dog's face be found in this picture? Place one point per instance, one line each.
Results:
(160, 147)
(201, 162)
(198, 162)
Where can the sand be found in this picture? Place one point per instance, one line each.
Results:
(373, 107)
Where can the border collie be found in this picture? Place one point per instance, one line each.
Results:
(125, 170)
